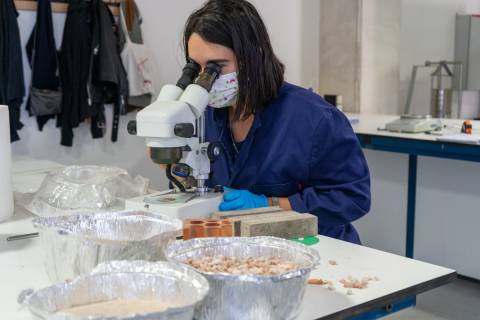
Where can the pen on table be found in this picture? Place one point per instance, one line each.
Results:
(434, 133)
(23, 236)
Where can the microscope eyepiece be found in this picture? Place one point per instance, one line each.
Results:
(189, 72)
(213, 69)
(208, 76)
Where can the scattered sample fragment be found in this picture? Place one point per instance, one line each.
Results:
(317, 281)
(332, 263)
(354, 283)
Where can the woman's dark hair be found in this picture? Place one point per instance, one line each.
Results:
(237, 25)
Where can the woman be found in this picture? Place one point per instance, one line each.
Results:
(283, 145)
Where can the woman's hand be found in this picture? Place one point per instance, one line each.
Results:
(244, 199)
(241, 199)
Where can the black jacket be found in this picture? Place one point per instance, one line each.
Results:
(109, 82)
(12, 87)
(75, 65)
(90, 39)
(45, 69)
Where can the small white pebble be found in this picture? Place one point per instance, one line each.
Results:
(264, 265)
(331, 288)
(332, 262)
(349, 292)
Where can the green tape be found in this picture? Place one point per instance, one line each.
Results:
(308, 241)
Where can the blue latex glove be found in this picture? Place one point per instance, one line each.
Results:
(241, 199)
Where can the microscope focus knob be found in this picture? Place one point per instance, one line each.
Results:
(184, 130)
(132, 127)
(213, 151)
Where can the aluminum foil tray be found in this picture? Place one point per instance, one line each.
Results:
(250, 296)
(175, 284)
(74, 245)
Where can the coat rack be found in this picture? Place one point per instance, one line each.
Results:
(31, 5)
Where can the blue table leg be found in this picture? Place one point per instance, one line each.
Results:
(411, 201)
(388, 310)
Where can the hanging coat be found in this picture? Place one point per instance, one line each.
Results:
(45, 71)
(108, 80)
(12, 86)
(302, 148)
(75, 67)
(92, 72)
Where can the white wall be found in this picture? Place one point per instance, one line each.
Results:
(380, 56)
(293, 27)
(427, 33)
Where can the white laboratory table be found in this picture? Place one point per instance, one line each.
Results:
(22, 267)
(369, 124)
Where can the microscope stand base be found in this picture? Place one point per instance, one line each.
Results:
(177, 204)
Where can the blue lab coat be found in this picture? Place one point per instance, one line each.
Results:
(302, 148)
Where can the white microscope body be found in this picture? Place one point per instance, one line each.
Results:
(174, 130)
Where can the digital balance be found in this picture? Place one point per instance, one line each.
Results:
(411, 123)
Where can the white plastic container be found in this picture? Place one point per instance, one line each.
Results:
(6, 191)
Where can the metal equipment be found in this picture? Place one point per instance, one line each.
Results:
(411, 123)
(442, 86)
(174, 128)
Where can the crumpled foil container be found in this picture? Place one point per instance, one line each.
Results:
(75, 244)
(250, 296)
(77, 189)
(175, 284)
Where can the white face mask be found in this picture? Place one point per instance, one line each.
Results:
(224, 91)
